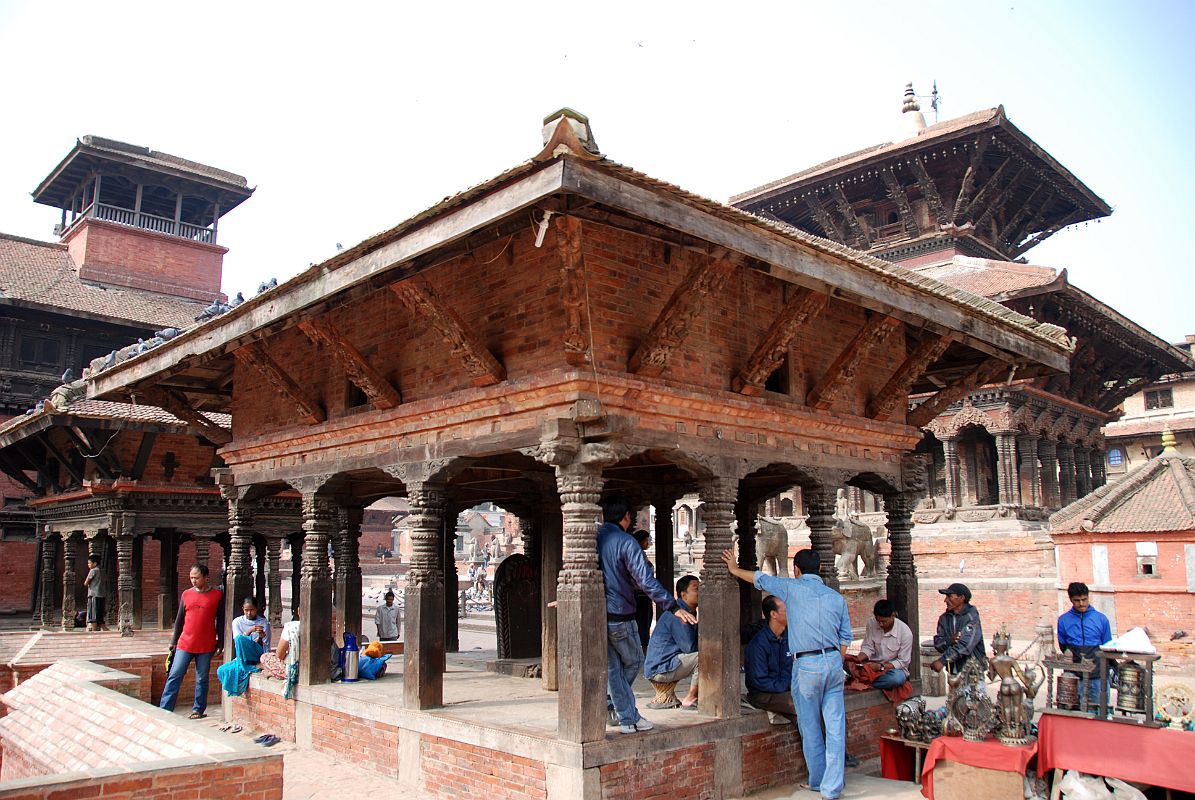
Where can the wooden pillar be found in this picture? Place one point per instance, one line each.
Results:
(339, 574)
(551, 549)
(351, 555)
(203, 549)
(167, 578)
(259, 570)
(902, 575)
(70, 549)
(124, 579)
(665, 543)
(951, 471)
(1082, 471)
(1066, 473)
(238, 580)
(750, 598)
(719, 653)
(1007, 492)
(48, 562)
(423, 675)
(1047, 453)
(138, 578)
(109, 565)
(452, 600)
(274, 579)
(581, 607)
(820, 502)
(315, 591)
(297, 542)
(1029, 470)
(1098, 475)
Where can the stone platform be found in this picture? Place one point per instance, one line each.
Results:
(498, 735)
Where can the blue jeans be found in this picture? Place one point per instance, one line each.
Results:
(624, 659)
(817, 695)
(178, 668)
(891, 679)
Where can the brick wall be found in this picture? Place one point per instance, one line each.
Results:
(359, 741)
(265, 711)
(118, 255)
(260, 779)
(688, 772)
(151, 670)
(772, 758)
(18, 563)
(864, 726)
(455, 769)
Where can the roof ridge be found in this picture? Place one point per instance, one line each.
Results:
(1182, 479)
(26, 240)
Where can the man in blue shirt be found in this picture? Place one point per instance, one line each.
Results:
(1082, 630)
(672, 649)
(819, 631)
(767, 665)
(624, 568)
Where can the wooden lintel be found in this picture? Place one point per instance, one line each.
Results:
(802, 307)
(255, 358)
(929, 189)
(1022, 248)
(923, 414)
(829, 227)
(968, 182)
(901, 198)
(989, 187)
(419, 298)
(674, 322)
(380, 391)
(59, 455)
(177, 404)
(896, 391)
(842, 370)
(17, 474)
(852, 219)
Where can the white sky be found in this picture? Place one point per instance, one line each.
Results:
(349, 118)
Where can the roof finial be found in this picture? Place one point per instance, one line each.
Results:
(1169, 442)
(911, 105)
(568, 131)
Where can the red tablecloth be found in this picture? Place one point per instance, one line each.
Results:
(1155, 756)
(989, 755)
(896, 759)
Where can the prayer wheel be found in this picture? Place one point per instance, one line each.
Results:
(1130, 695)
(1068, 691)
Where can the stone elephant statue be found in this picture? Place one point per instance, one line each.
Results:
(771, 546)
(853, 541)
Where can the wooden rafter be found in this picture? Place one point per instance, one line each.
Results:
(572, 290)
(829, 227)
(17, 474)
(255, 358)
(843, 369)
(1020, 216)
(901, 198)
(380, 391)
(177, 404)
(60, 456)
(769, 353)
(1032, 222)
(1074, 216)
(1001, 197)
(929, 189)
(989, 187)
(852, 219)
(896, 391)
(968, 182)
(419, 298)
(674, 322)
(144, 449)
(88, 450)
(934, 405)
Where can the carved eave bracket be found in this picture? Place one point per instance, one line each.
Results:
(254, 357)
(986, 371)
(842, 371)
(675, 321)
(478, 361)
(177, 404)
(929, 190)
(896, 391)
(769, 353)
(898, 195)
(379, 390)
(968, 183)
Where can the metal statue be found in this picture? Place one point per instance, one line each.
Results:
(1018, 688)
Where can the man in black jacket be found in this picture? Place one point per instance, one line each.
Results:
(959, 635)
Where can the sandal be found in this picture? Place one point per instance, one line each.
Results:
(235, 729)
(196, 715)
(269, 740)
(661, 706)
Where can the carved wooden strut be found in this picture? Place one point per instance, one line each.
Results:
(896, 391)
(769, 354)
(253, 356)
(842, 371)
(477, 360)
(380, 391)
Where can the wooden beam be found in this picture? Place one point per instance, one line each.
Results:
(1020, 216)
(144, 449)
(674, 322)
(852, 219)
(898, 195)
(830, 228)
(419, 298)
(989, 187)
(13, 471)
(929, 190)
(90, 452)
(255, 358)
(40, 469)
(983, 373)
(1074, 216)
(59, 455)
(803, 306)
(1031, 223)
(323, 333)
(968, 182)
(572, 290)
(1001, 197)
(842, 371)
(896, 391)
(177, 404)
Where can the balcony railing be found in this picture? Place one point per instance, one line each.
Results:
(149, 222)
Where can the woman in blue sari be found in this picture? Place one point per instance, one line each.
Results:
(250, 638)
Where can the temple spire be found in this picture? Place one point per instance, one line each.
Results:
(912, 106)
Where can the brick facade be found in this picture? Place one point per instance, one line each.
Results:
(687, 772)
(18, 566)
(455, 769)
(359, 741)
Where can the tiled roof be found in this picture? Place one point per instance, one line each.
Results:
(42, 274)
(989, 277)
(157, 157)
(1152, 424)
(108, 410)
(1157, 496)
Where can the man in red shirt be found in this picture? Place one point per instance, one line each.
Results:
(198, 634)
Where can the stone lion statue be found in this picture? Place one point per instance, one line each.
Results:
(771, 546)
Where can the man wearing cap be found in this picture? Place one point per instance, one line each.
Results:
(959, 635)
